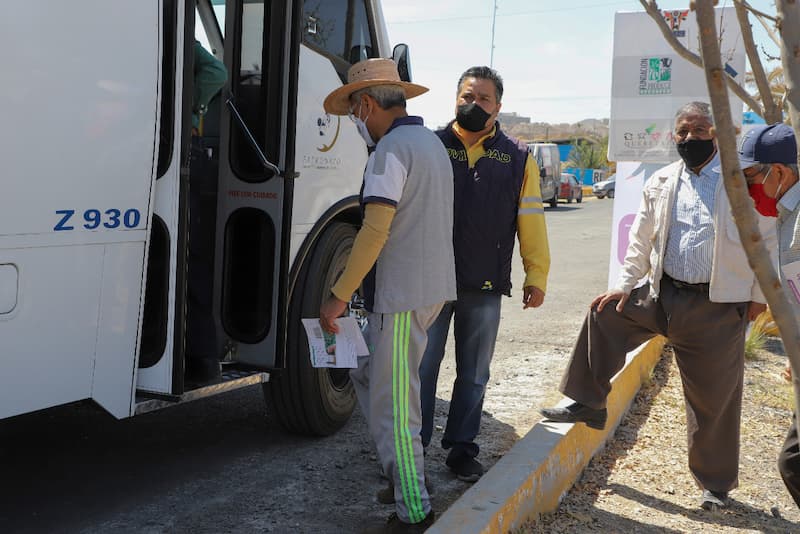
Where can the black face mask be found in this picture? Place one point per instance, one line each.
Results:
(695, 152)
(472, 117)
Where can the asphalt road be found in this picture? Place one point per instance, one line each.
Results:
(224, 465)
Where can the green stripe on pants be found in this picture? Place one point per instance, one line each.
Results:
(404, 451)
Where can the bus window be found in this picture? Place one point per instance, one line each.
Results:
(256, 84)
(339, 29)
(211, 27)
(167, 126)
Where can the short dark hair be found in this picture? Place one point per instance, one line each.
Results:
(484, 73)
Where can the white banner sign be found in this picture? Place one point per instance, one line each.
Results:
(650, 81)
(631, 177)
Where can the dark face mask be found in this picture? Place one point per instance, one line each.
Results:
(695, 152)
(472, 117)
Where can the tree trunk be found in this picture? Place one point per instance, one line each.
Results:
(789, 26)
(735, 186)
(772, 113)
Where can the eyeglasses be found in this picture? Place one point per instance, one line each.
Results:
(351, 114)
(751, 172)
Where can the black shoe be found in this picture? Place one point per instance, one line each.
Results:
(202, 370)
(394, 524)
(386, 495)
(465, 467)
(577, 413)
(711, 500)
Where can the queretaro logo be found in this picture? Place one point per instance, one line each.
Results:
(327, 131)
(645, 139)
(655, 76)
(674, 19)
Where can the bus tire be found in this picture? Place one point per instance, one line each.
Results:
(307, 400)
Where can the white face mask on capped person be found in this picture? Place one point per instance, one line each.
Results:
(361, 126)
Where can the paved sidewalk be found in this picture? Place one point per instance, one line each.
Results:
(534, 475)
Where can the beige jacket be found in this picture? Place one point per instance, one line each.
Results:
(732, 280)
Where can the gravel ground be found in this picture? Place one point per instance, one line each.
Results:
(640, 482)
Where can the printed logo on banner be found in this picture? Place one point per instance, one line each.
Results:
(655, 76)
(674, 19)
(648, 138)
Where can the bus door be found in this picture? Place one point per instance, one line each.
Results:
(160, 362)
(256, 169)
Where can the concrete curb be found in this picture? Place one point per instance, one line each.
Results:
(541, 467)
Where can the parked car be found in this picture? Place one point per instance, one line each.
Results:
(548, 159)
(570, 188)
(605, 188)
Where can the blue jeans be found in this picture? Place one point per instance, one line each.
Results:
(477, 319)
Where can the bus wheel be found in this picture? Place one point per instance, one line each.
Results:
(308, 400)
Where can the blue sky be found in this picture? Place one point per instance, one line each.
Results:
(554, 57)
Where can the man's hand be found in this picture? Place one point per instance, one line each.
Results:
(787, 373)
(600, 301)
(754, 310)
(532, 297)
(329, 311)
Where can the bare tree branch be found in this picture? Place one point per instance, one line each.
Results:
(762, 19)
(789, 27)
(655, 13)
(755, 11)
(769, 56)
(735, 186)
(772, 113)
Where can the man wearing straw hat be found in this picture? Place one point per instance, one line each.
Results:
(403, 259)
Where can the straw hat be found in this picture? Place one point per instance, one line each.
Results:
(367, 73)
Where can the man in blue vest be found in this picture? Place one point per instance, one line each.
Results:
(497, 197)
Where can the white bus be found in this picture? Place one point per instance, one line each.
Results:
(94, 201)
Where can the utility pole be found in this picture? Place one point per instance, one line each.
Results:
(494, 18)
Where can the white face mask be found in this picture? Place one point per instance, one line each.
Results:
(361, 126)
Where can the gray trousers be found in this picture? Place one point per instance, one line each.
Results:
(708, 339)
(387, 386)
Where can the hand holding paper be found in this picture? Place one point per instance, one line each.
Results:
(340, 350)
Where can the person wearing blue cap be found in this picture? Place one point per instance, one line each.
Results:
(768, 157)
(698, 292)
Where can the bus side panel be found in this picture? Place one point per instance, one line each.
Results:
(114, 369)
(47, 341)
(79, 156)
(330, 154)
(78, 165)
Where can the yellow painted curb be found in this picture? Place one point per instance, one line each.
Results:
(535, 474)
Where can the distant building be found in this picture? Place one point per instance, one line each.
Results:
(512, 119)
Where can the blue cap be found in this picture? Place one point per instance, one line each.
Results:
(768, 144)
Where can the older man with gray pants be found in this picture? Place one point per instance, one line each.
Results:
(403, 259)
(699, 293)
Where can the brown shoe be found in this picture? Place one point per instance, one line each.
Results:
(386, 495)
(394, 524)
(577, 413)
(713, 500)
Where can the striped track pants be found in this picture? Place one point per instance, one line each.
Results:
(387, 385)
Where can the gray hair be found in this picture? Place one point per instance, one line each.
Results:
(387, 96)
(764, 167)
(695, 108)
